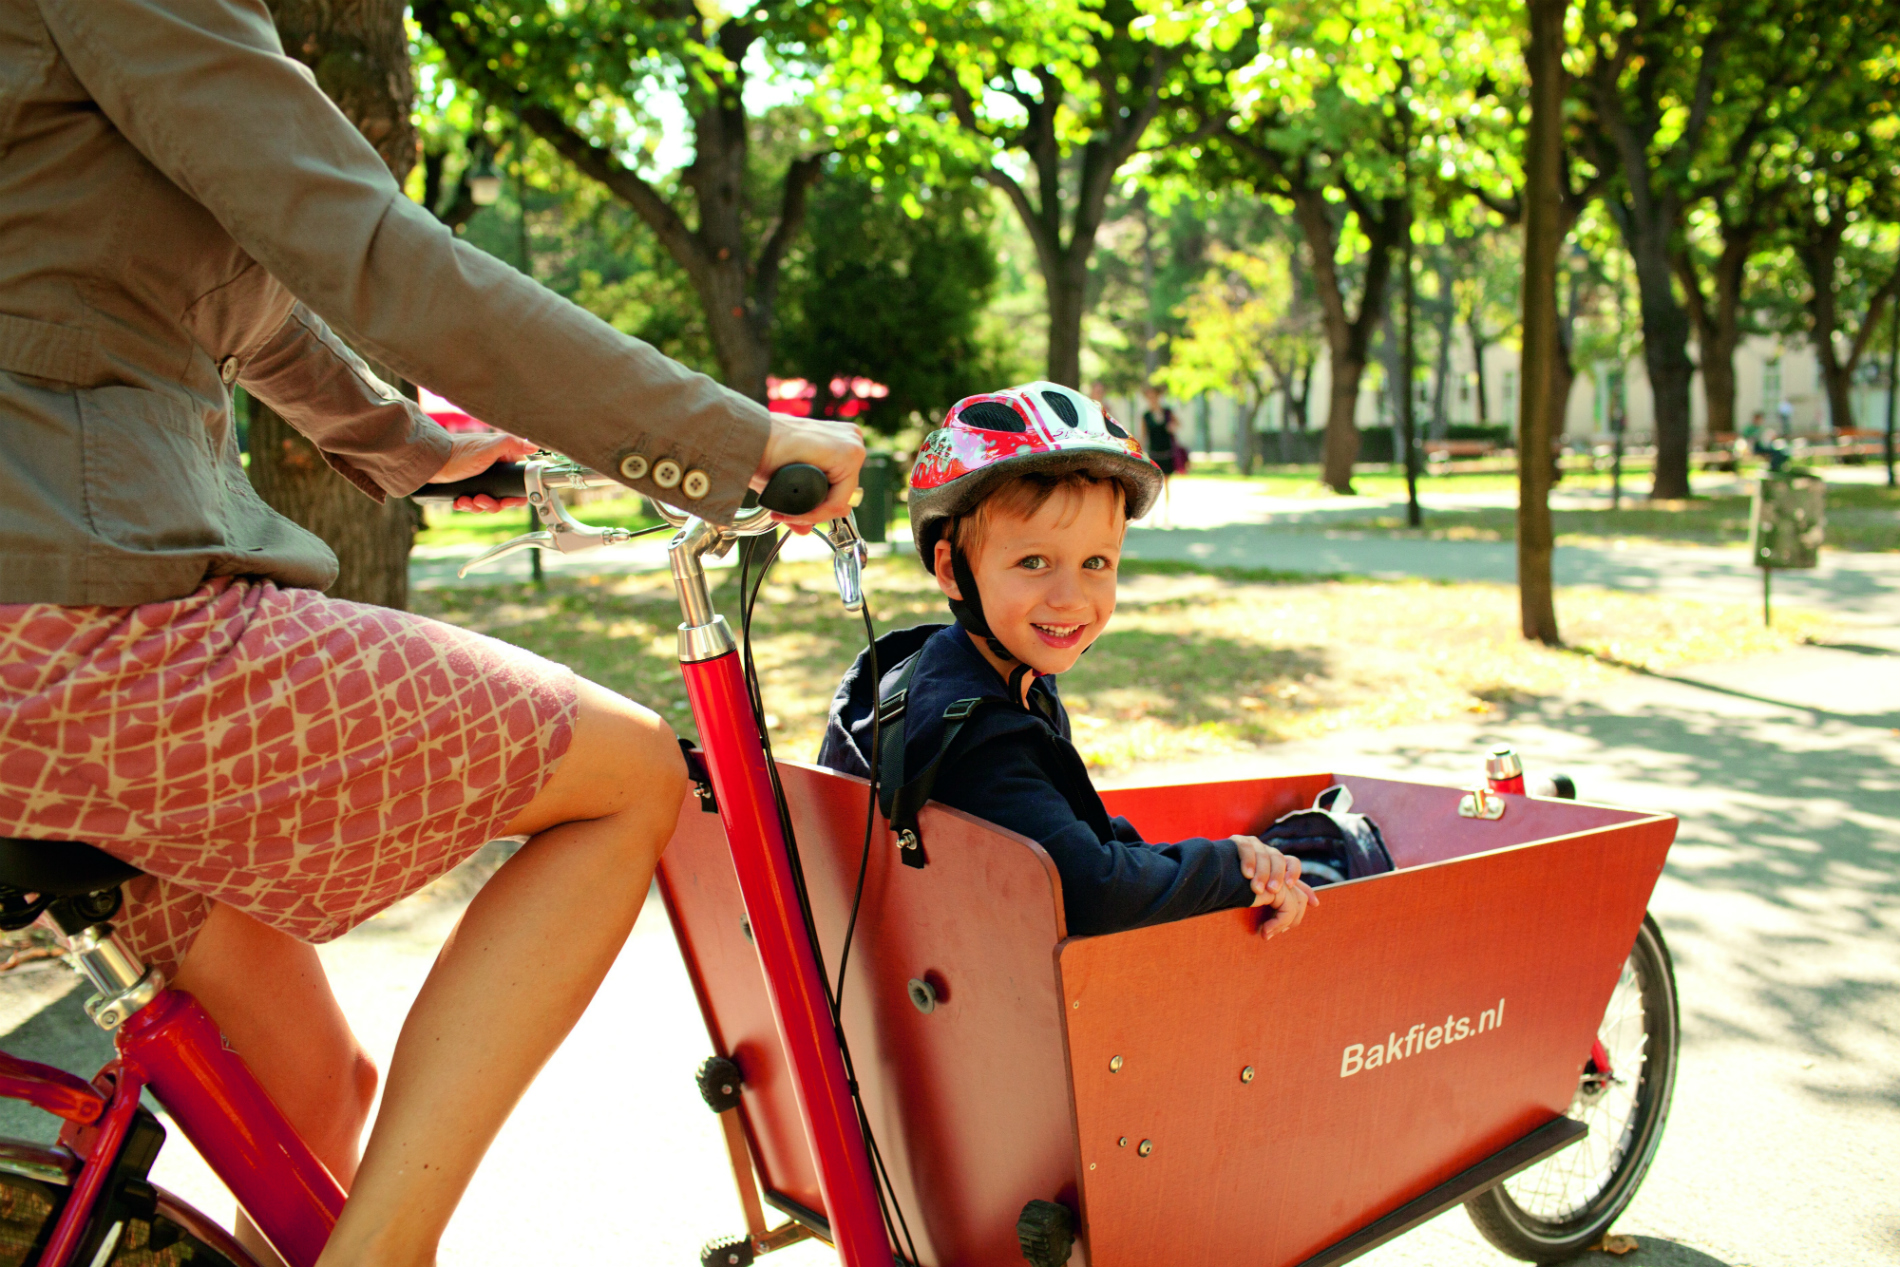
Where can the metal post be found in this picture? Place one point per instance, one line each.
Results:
(1766, 620)
(1893, 381)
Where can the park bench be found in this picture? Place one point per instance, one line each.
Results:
(1720, 451)
(1443, 452)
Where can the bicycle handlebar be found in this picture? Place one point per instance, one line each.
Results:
(503, 479)
(794, 489)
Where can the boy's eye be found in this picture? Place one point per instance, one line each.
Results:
(1096, 563)
(1032, 563)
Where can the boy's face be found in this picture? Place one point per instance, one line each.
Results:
(1047, 580)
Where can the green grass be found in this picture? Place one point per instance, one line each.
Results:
(1859, 517)
(1193, 663)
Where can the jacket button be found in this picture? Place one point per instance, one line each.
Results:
(633, 466)
(666, 473)
(228, 370)
(696, 485)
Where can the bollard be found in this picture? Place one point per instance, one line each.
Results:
(878, 478)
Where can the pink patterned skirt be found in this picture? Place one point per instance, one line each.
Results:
(306, 760)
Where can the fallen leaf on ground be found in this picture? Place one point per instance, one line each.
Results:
(1615, 1243)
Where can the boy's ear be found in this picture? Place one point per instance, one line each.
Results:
(946, 575)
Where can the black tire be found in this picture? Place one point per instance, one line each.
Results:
(1558, 1208)
(174, 1235)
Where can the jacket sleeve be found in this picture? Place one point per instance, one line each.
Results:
(380, 441)
(1107, 885)
(203, 89)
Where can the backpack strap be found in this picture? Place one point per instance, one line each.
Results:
(902, 798)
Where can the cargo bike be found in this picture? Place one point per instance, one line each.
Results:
(917, 1064)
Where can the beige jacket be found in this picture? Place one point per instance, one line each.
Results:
(181, 209)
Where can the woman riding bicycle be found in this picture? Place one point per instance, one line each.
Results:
(183, 211)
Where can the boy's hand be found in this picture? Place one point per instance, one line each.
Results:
(1276, 883)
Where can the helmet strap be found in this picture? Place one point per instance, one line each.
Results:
(968, 611)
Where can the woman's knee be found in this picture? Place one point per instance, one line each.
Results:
(623, 758)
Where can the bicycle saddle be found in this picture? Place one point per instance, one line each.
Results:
(59, 868)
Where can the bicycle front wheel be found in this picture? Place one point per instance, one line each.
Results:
(1560, 1207)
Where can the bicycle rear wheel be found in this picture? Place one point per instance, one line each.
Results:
(173, 1235)
(1560, 1207)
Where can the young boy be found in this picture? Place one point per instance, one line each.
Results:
(1019, 504)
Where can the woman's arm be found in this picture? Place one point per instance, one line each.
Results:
(202, 88)
(379, 441)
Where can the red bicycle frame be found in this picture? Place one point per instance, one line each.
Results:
(736, 765)
(174, 1047)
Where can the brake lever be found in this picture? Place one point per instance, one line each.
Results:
(847, 561)
(560, 532)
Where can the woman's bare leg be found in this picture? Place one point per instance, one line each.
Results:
(513, 978)
(268, 994)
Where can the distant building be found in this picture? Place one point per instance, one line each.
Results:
(1780, 378)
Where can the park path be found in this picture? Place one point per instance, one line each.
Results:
(1233, 523)
(1781, 903)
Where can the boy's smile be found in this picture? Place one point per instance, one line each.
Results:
(1047, 578)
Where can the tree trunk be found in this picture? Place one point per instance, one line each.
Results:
(1340, 449)
(1348, 338)
(1244, 442)
(359, 50)
(1474, 325)
(1718, 326)
(1543, 235)
(1067, 288)
(1666, 355)
(1441, 369)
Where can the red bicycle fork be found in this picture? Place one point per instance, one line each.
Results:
(742, 786)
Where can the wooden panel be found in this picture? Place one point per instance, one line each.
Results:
(1419, 821)
(701, 892)
(1273, 1171)
(969, 1103)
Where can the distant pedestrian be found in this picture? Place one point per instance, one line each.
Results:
(1158, 427)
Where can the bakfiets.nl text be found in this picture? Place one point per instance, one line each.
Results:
(1361, 1056)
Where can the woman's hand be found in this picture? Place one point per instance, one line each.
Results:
(1276, 883)
(471, 453)
(836, 448)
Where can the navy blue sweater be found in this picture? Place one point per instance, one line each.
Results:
(1017, 768)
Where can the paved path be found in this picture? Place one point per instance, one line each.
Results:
(1781, 904)
(1235, 523)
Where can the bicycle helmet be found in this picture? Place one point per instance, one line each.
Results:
(1035, 428)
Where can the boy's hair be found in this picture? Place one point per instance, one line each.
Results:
(1024, 495)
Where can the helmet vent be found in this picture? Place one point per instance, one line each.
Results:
(1115, 428)
(988, 415)
(1065, 409)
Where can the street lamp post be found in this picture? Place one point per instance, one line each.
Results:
(1893, 381)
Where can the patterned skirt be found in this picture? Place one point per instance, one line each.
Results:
(306, 760)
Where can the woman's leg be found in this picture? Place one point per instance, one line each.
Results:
(268, 994)
(514, 977)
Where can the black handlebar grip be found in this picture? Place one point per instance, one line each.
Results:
(503, 479)
(797, 489)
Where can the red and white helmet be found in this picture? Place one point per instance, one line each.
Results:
(1000, 435)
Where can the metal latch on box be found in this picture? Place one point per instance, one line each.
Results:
(1481, 802)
